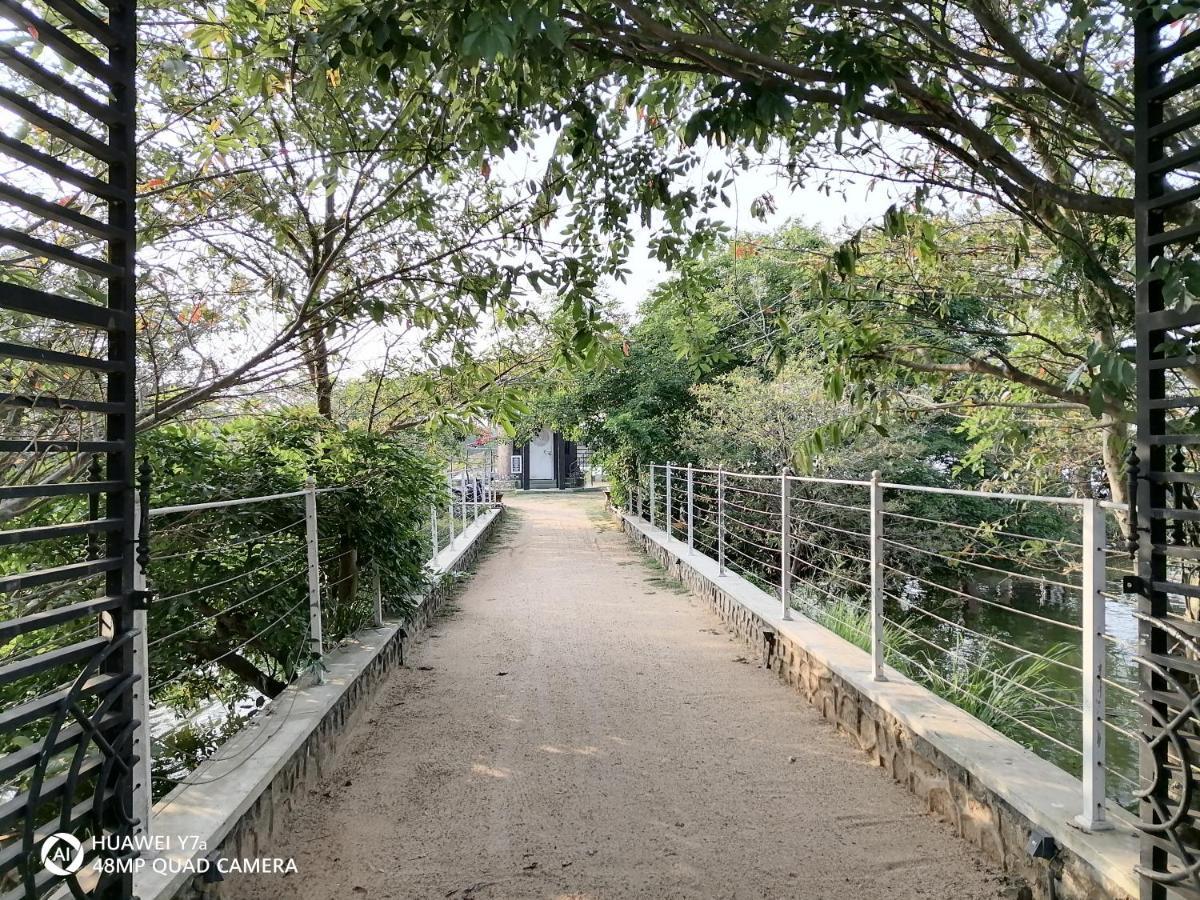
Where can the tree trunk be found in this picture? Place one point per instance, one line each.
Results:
(1115, 434)
(318, 367)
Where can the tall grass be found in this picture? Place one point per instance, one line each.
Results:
(852, 621)
(997, 692)
(1004, 694)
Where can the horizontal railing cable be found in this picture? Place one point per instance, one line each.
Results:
(242, 646)
(991, 639)
(825, 503)
(981, 530)
(973, 598)
(162, 557)
(155, 512)
(1033, 729)
(945, 555)
(839, 552)
(991, 673)
(228, 609)
(984, 495)
(833, 573)
(837, 598)
(751, 559)
(1123, 731)
(827, 527)
(216, 584)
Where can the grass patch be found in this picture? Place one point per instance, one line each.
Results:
(1012, 696)
(852, 622)
(997, 693)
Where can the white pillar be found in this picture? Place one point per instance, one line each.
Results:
(785, 544)
(652, 494)
(720, 521)
(316, 639)
(463, 492)
(377, 588)
(433, 528)
(668, 502)
(876, 579)
(1093, 817)
(691, 517)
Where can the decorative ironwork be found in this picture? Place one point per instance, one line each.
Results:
(1165, 468)
(66, 493)
(145, 475)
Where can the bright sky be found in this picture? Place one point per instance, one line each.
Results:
(839, 213)
(833, 214)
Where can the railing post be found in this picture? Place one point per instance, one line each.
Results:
(451, 514)
(1095, 542)
(433, 528)
(143, 800)
(720, 520)
(668, 502)
(463, 489)
(785, 545)
(877, 578)
(377, 588)
(691, 513)
(316, 640)
(651, 495)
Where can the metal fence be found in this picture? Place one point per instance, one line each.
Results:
(1166, 76)
(1008, 604)
(266, 606)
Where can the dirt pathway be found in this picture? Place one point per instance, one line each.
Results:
(579, 727)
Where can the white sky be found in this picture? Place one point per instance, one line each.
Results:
(833, 214)
(838, 213)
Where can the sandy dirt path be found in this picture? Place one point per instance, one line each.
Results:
(579, 727)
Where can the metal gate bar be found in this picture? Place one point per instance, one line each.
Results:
(1166, 468)
(66, 454)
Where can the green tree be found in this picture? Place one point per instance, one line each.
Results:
(1022, 107)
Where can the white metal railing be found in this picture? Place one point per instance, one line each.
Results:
(915, 564)
(306, 564)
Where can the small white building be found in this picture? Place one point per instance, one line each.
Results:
(547, 462)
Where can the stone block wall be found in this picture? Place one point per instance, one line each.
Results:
(947, 789)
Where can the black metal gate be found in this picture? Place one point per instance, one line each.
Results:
(1167, 469)
(67, 324)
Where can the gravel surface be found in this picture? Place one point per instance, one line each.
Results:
(578, 726)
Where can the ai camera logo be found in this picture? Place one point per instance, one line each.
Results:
(62, 854)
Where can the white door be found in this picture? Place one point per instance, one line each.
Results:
(541, 455)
